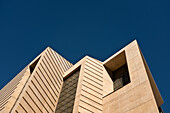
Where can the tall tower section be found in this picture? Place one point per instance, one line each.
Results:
(134, 89)
(37, 87)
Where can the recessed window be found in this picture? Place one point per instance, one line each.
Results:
(120, 77)
(118, 70)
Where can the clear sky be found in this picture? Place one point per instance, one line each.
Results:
(85, 27)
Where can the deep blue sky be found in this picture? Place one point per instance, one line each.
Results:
(78, 28)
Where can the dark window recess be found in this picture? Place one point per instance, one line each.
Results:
(68, 93)
(121, 77)
(33, 65)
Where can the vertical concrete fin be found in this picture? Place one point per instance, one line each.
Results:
(154, 87)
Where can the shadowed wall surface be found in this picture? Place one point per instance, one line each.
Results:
(68, 93)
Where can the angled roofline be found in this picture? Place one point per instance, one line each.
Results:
(134, 42)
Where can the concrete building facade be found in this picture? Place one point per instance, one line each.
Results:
(121, 84)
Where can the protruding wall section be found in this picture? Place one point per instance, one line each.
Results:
(41, 90)
(137, 96)
(155, 90)
(90, 87)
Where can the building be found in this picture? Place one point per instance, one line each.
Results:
(121, 84)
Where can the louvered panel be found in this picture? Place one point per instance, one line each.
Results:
(45, 83)
(92, 87)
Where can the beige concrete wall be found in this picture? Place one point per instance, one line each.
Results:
(10, 93)
(137, 96)
(108, 85)
(90, 87)
(40, 92)
(155, 90)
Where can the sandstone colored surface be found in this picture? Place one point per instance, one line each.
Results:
(121, 84)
